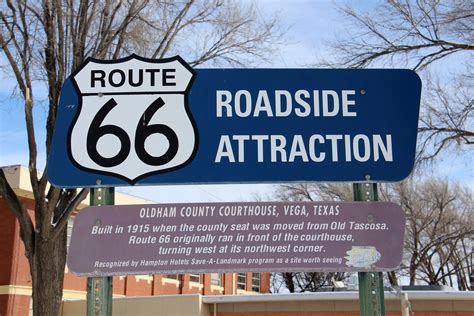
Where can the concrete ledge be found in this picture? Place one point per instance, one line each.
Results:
(170, 305)
(423, 303)
(323, 296)
(335, 303)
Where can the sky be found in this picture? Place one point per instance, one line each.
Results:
(308, 24)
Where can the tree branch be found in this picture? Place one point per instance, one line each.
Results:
(72, 205)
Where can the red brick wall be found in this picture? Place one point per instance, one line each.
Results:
(265, 282)
(228, 283)
(206, 281)
(188, 288)
(4, 304)
(7, 237)
(14, 305)
(71, 282)
(163, 288)
(118, 285)
(248, 281)
(138, 287)
(14, 269)
(20, 274)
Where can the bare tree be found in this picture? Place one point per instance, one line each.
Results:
(420, 35)
(439, 228)
(309, 281)
(47, 40)
(295, 282)
(436, 39)
(447, 117)
(439, 225)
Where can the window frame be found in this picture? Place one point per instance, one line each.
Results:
(192, 275)
(241, 283)
(218, 279)
(256, 282)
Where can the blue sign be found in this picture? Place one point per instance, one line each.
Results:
(137, 121)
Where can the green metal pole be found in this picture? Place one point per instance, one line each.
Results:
(99, 290)
(371, 295)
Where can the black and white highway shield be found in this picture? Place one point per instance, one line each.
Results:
(133, 120)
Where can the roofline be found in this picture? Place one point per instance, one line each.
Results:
(346, 295)
(18, 178)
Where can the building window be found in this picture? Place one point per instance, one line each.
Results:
(70, 223)
(195, 278)
(241, 281)
(256, 282)
(171, 276)
(216, 279)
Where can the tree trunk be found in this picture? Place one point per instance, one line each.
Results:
(47, 270)
(290, 284)
(392, 277)
(412, 271)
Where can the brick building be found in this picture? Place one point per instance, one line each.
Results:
(15, 281)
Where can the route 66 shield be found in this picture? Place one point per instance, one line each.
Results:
(133, 118)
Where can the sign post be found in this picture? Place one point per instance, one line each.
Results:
(371, 295)
(99, 289)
